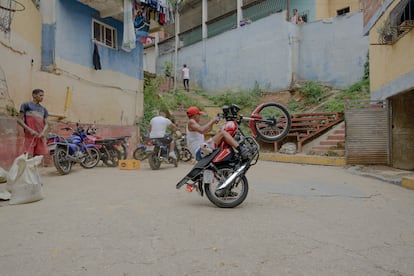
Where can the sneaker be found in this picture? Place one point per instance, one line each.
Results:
(172, 155)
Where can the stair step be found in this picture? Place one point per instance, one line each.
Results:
(336, 137)
(339, 131)
(328, 152)
(328, 143)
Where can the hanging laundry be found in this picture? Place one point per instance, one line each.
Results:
(96, 59)
(128, 40)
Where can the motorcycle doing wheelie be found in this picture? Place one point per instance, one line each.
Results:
(74, 149)
(221, 175)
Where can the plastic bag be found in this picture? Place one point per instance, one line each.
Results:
(3, 175)
(23, 180)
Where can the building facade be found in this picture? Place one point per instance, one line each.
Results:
(56, 45)
(389, 25)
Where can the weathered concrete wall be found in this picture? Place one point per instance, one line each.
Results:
(274, 52)
(333, 51)
(403, 131)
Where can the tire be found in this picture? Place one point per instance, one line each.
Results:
(279, 129)
(139, 154)
(239, 186)
(113, 158)
(153, 160)
(177, 154)
(92, 158)
(62, 164)
(124, 152)
(185, 155)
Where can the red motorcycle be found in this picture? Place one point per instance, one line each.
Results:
(221, 175)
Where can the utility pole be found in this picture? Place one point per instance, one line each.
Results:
(177, 40)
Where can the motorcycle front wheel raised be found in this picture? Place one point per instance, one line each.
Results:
(276, 125)
(62, 163)
(234, 195)
(92, 158)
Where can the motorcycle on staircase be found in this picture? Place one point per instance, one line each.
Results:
(221, 175)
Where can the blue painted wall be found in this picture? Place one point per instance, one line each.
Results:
(70, 38)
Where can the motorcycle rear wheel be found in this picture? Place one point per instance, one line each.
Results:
(112, 159)
(62, 163)
(92, 158)
(234, 195)
(279, 129)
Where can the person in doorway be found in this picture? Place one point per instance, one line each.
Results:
(33, 118)
(195, 135)
(158, 129)
(185, 75)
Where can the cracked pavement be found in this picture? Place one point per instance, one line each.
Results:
(296, 220)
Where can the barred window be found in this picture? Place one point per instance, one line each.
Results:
(104, 34)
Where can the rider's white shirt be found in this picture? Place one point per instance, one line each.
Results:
(159, 126)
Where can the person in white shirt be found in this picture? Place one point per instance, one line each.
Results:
(185, 74)
(158, 129)
(295, 17)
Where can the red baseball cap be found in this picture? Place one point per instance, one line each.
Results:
(193, 110)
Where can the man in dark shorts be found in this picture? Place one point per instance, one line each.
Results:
(33, 118)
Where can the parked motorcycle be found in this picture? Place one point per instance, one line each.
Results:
(109, 148)
(158, 152)
(221, 175)
(184, 153)
(139, 152)
(74, 149)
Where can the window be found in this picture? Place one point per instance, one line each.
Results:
(342, 11)
(104, 34)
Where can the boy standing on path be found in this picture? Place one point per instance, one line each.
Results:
(33, 119)
(185, 74)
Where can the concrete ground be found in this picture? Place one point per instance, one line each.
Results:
(298, 219)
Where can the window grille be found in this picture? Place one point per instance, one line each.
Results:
(104, 34)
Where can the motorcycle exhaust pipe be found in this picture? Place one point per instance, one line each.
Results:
(232, 177)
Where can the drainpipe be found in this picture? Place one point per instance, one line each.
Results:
(239, 12)
(177, 41)
(204, 18)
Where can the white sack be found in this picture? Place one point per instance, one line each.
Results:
(23, 180)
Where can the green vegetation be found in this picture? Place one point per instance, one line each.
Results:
(313, 92)
(245, 99)
(311, 96)
(357, 91)
(154, 101)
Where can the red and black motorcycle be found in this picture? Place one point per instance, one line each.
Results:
(221, 175)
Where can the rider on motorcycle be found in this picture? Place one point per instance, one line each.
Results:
(158, 129)
(195, 135)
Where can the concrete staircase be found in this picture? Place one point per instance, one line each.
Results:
(331, 143)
